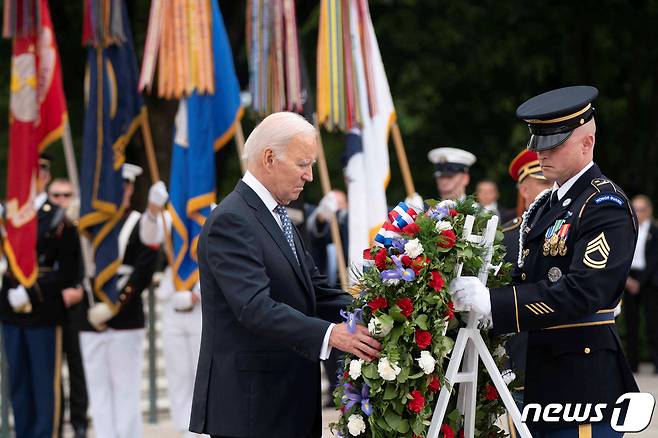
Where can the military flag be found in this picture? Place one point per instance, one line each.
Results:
(37, 118)
(354, 97)
(205, 122)
(114, 111)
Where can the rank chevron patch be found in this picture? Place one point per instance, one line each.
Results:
(597, 252)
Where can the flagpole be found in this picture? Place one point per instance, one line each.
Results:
(155, 177)
(239, 144)
(333, 222)
(85, 244)
(402, 159)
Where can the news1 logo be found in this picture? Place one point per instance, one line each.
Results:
(639, 410)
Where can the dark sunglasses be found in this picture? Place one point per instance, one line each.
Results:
(61, 194)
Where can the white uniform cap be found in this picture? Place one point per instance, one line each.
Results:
(449, 161)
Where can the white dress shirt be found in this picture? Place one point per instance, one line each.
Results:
(269, 201)
(639, 259)
(564, 188)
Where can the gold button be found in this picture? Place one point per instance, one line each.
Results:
(523, 276)
(587, 350)
(526, 252)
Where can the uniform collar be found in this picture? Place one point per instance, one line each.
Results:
(564, 188)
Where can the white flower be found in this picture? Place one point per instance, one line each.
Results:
(499, 352)
(387, 370)
(413, 248)
(355, 368)
(443, 225)
(356, 425)
(426, 362)
(380, 328)
(447, 204)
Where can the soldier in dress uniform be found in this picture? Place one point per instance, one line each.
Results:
(451, 166)
(112, 343)
(577, 242)
(31, 320)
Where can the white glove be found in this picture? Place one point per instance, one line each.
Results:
(617, 309)
(99, 314)
(158, 194)
(328, 205)
(470, 295)
(182, 300)
(414, 201)
(508, 376)
(18, 297)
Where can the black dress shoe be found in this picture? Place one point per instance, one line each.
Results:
(80, 432)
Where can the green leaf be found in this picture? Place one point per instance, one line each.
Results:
(392, 419)
(390, 392)
(421, 321)
(381, 422)
(395, 334)
(404, 375)
(369, 371)
(403, 427)
(416, 376)
(396, 314)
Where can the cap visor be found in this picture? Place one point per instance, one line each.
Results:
(545, 142)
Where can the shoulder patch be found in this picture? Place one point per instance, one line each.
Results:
(609, 199)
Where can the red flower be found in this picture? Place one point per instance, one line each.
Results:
(411, 229)
(417, 403)
(423, 338)
(380, 259)
(419, 263)
(378, 303)
(490, 392)
(448, 239)
(346, 374)
(453, 212)
(406, 261)
(416, 436)
(367, 255)
(446, 430)
(435, 384)
(406, 306)
(437, 281)
(450, 313)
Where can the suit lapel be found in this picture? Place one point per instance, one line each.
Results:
(266, 219)
(549, 215)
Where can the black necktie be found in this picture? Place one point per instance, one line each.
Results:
(554, 198)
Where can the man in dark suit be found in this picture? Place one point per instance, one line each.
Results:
(642, 284)
(577, 243)
(267, 311)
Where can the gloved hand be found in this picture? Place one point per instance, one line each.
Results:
(470, 295)
(18, 297)
(328, 206)
(415, 201)
(99, 314)
(182, 300)
(158, 194)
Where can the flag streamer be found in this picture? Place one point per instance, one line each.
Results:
(275, 81)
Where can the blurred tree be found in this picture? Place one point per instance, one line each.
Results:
(457, 72)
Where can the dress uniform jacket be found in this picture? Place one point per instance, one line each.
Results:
(142, 260)
(58, 255)
(575, 258)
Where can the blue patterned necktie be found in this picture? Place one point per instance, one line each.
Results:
(286, 225)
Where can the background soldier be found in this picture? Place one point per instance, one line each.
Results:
(642, 285)
(31, 319)
(576, 253)
(113, 344)
(451, 167)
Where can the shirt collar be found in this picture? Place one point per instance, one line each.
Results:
(39, 200)
(564, 188)
(262, 192)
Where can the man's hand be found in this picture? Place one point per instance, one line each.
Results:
(72, 296)
(99, 314)
(470, 295)
(358, 343)
(632, 286)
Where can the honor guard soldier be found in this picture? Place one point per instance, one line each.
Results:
(451, 166)
(576, 247)
(31, 319)
(113, 343)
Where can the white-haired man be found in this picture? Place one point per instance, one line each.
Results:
(267, 312)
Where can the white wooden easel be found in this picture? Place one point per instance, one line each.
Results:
(470, 347)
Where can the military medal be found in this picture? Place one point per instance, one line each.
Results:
(554, 274)
(547, 248)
